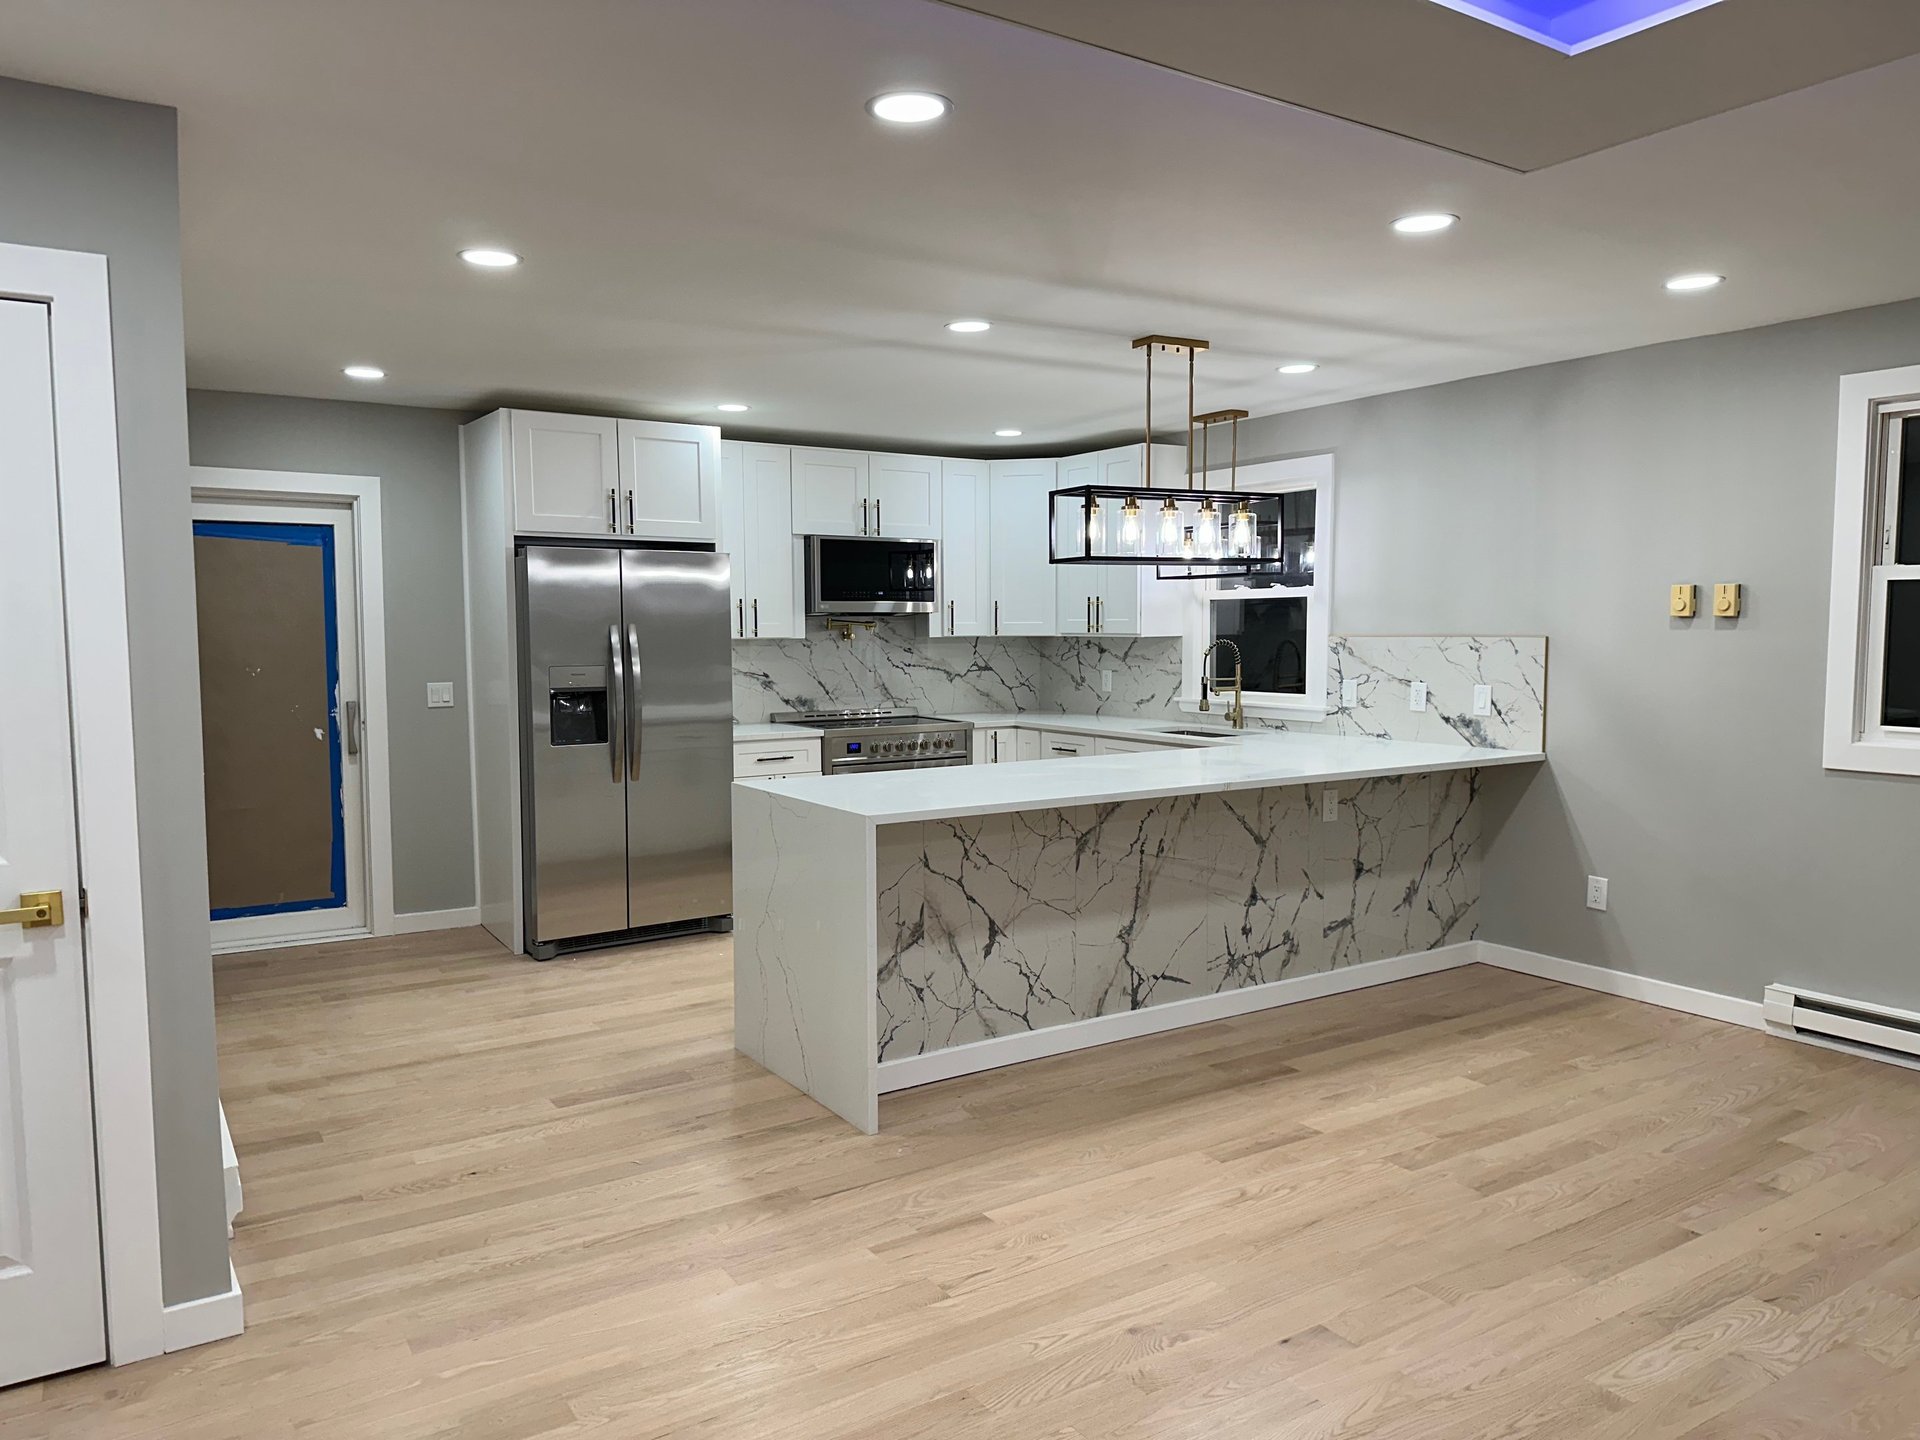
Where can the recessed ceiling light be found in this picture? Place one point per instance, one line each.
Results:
(908, 107)
(968, 327)
(490, 259)
(364, 372)
(1007, 434)
(1299, 367)
(732, 407)
(1427, 222)
(1701, 281)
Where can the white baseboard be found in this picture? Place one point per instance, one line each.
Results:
(1619, 982)
(416, 921)
(199, 1322)
(230, 1170)
(969, 1059)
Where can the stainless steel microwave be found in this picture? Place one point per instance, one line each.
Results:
(870, 576)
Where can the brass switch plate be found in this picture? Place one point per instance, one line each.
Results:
(1685, 602)
(1726, 602)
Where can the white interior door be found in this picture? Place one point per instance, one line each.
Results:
(282, 717)
(52, 1314)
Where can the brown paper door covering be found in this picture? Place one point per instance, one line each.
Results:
(263, 707)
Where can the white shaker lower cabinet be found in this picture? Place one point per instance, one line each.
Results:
(1056, 744)
(756, 498)
(564, 471)
(995, 744)
(966, 569)
(669, 480)
(1021, 598)
(1108, 746)
(773, 759)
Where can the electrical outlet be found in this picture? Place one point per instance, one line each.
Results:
(1596, 892)
(1483, 700)
(439, 694)
(1417, 695)
(1350, 692)
(1329, 804)
(1106, 681)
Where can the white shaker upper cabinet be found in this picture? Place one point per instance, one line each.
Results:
(1020, 597)
(1075, 587)
(669, 480)
(966, 570)
(757, 533)
(905, 491)
(830, 493)
(1120, 599)
(566, 474)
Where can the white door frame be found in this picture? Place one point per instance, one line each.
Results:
(361, 493)
(86, 442)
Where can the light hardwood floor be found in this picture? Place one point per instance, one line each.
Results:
(488, 1198)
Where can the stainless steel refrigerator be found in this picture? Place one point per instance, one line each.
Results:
(627, 741)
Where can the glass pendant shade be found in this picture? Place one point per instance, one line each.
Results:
(1096, 526)
(1130, 532)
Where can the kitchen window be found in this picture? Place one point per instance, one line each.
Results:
(1873, 654)
(1279, 622)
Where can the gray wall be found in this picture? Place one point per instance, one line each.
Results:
(1684, 755)
(82, 172)
(416, 454)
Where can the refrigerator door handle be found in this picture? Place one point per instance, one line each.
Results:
(633, 700)
(617, 706)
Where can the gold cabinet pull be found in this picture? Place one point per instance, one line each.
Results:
(38, 908)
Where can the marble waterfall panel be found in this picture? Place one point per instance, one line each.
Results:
(991, 925)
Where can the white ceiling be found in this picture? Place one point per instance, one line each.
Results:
(1453, 79)
(708, 214)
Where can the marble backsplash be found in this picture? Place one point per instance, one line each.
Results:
(891, 665)
(1002, 923)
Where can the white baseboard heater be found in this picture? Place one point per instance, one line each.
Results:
(1853, 1024)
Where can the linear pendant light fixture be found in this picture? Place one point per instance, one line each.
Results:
(1189, 533)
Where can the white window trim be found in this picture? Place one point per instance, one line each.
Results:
(1854, 738)
(1304, 472)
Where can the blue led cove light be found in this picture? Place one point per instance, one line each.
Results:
(1571, 26)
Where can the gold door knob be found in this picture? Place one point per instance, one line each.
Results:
(37, 908)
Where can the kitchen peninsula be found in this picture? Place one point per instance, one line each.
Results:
(898, 928)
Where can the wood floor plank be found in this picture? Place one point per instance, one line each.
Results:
(506, 1201)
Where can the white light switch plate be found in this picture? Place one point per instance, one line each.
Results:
(1106, 682)
(1596, 892)
(440, 694)
(1350, 693)
(1329, 804)
(1483, 700)
(1417, 695)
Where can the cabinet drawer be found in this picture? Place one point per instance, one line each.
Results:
(758, 759)
(1055, 745)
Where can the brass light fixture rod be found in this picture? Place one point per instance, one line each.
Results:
(1175, 344)
(1206, 423)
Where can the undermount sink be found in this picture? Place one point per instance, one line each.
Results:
(1206, 734)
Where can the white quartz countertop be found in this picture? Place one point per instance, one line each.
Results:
(1253, 760)
(767, 731)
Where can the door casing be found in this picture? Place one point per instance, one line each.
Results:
(360, 493)
(87, 447)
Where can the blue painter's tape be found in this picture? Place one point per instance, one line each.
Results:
(322, 537)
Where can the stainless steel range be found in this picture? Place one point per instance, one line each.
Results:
(853, 742)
